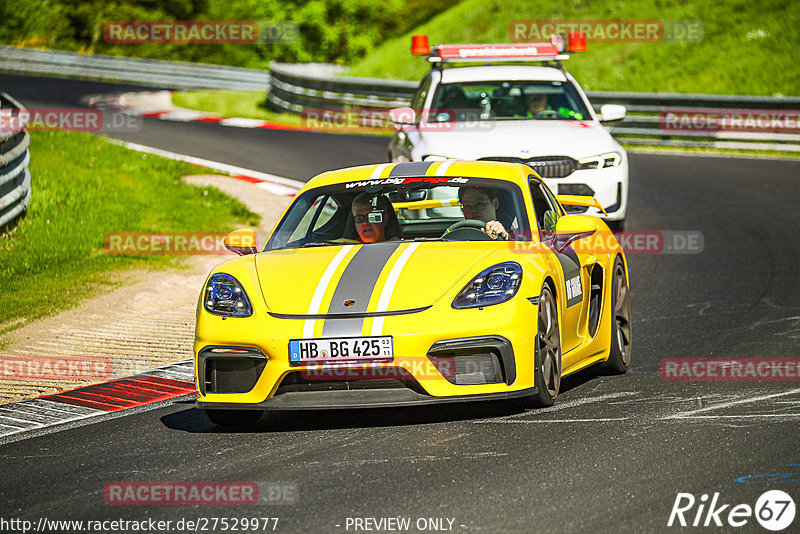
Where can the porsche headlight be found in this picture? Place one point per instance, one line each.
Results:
(433, 157)
(612, 159)
(224, 295)
(494, 285)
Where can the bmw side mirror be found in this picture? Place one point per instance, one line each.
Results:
(612, 112)
(403, 116)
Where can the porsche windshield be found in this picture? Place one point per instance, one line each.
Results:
(404, 208)
(507, 100)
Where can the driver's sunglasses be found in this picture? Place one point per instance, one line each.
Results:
(474, 206)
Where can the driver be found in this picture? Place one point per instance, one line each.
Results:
(537, 102)
(482, 204)
(375, 218)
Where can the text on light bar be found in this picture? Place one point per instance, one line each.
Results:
(496, 51)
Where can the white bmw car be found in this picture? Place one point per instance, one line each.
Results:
(536, 115)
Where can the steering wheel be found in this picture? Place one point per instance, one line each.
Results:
(467, 230)
(547, 114)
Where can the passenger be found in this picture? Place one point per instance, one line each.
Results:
(379, 210)
(482, 204)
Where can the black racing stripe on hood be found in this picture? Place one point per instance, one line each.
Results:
(357, 283)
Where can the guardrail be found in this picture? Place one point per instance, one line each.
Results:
(292, 90)
(150, 72)
(15, 177)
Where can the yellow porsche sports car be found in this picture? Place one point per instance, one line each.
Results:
(412, 283)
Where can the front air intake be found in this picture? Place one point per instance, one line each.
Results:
(229, 370)
(469, 369)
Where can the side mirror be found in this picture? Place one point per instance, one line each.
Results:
(242, 241)
(570, 228)
(403, 116)
(612, 112)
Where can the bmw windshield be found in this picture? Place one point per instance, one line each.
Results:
(507, 100)
(403, 209)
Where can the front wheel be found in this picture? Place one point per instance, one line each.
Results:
(620, 355)
(547, 355)
(233, 418)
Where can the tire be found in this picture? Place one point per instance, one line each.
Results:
(547, 352)
(234, 418)
(620, 354)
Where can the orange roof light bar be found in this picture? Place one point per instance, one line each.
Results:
(419, 45)
(554, 50)
(577, 42)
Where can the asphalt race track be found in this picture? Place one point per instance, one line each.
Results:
(610, 456)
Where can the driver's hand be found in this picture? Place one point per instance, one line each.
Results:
(494, 229)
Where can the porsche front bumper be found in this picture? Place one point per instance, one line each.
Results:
(492, 353)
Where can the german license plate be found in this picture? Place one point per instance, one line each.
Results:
(350, 349)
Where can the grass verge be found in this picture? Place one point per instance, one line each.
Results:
(743, 50)
(83, 188)
(248, 104)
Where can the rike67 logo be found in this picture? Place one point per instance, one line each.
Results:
(774, 510)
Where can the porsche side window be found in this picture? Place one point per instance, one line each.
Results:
(559, 210)
(329, 209)
(546, 212)
(308, 219)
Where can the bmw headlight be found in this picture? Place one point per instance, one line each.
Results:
(494, 285)
(224, 295)
(612, 159)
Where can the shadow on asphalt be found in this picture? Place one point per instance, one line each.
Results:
(194, 420)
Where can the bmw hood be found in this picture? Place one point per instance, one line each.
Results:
(520, 139)
(366, 278)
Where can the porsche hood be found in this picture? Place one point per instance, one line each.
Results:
(341, 280)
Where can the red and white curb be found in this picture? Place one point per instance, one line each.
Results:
(160, 384)
(120, 102)
(270, 182)
(157, 385)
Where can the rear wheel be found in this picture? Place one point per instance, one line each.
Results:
(547, 356)
(233, 418)
(620, 356)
